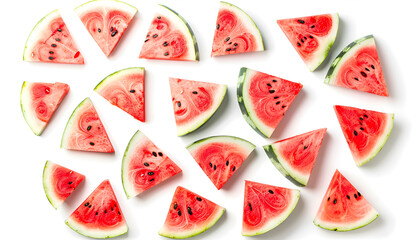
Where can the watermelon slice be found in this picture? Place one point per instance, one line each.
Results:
(220, 156)
(100, 215)
(266, 206)
(358, 67)
(84, 130)
(311, 36)
(343, 208)
(194, 103)
(50, 41)
(189, 214)
(39, 101)
(264, 99)
(59, 182)
(235, 32)
(144, 166)
(366, 131)
(106, 21)
(295, 157)
(125, 89)
(169, 38)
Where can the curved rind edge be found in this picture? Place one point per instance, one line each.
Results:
(251, 145)
(123, 161)
(70, 118)
(338, 229)
(115, 73)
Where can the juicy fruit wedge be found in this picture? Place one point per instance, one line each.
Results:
(264, 99)
(358, 67)
(39, 101)
(311, 36)
(106, 21)
(189, 214)
(59, 182)
(100, 215)
(194, 103)
(50, 41)
(366, 131)
(169, 38)
(343, 208)
(125, 89)
(144, 166)
(84, 130)
(235, 32)
(220, 156)
(266, 206)
(295, 157)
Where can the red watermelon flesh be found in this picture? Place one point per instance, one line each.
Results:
(100, 215)
(343, 208)
(266, 206)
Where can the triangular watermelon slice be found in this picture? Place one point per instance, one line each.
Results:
(343, 208)
(100, 215)
(84, 130)
(366, 131)
(194, 102)
(144, 165)
(189, 214)
(266, 206)
(220, 156)
(125, 89)
(39, 101)
(50, 41)
(264, 99)
(106, 21)
(59, 182)
(295, 157)
(311, 36)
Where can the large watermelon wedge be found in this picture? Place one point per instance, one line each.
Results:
(343, 208)
(39, 101)
(365, 131)
(189, 214)
(220, 156)
(194, 102)
(266, 206)
(169, 38)
(144, 165)
(106, 21)
(264, 99)
(235, 32)
(100, 215)
(311, 36)
(125, 89)
(295, 157)
(358, 67)
(84, 130)
(50, 41)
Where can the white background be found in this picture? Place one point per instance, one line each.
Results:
(389, 181)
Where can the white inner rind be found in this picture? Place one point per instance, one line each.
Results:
(116, 76)
(48, 188)
(303, 179)
(71, 123)
(372, 215)
(247, 146)
(94, 5)
(34, 123)
(96, 232)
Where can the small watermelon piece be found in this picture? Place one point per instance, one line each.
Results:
(59, 182)
(100, 215)
(194, 102)
(235, 32)
(220, 156)
(50, 41)
(366, 131)
(358, 67)
(343, 208)
(311, 36)
(106, 21)
(266, 206)
(189, 215)
(125, 89)
(295, 157)
(39, 101)
(264, 99)
(144, 165)
(170, 37)
(84, 130)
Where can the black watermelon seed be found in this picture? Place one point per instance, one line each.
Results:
(179, 212)
(359, 194)
(274, 80)
(328, 199)
(268, 84)
(230, 42)
(356, 79)
(99, 30)
(105, 211)
(235, 44)
(51, 52)
(89, 127)
(302, 40)
(112, 209)
(298, 43)
(363, 74)
(189, 210)
(361, 118)
(175, 205)
(214, 167)
(271, 191)
(367, 69)
(159, 17)
(112, 29)
(96, 213)
(362, 129)
(276, 97)
(86, 204)
(57, 39)
(312, 26)
(166, 54)
(146, 164)
(355, 195)
(277, 103)
(365, 116)
(218, 26)
(373, 67)
(335, 201)
(310, 36)
(155, 36)
(301, 21)
(90, 206)
(114, 33)
(250, 207)
(160, 154)
(179, 104)
(233, 169)
(59, 29)
(211, 165)
(305, 38)
(132, 91)
(227, 163)
(70, 182)
(195, 92)
(228, 49)
(348, 197)
(305, 147)
(150, 173)
(283, 106)
(92, 143)
(199, 199)
(165, 44)
(146, 40)
(53, 45)
(154, 154)
(355, 133)
(119, 213)
(227, 39)
(271, 91)
(51, 58)
(151, 180)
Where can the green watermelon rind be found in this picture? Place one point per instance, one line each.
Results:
(54, 202)
(102, 83)
(124, 179)
(361, 223)
(80, 8)
(71, 120)
(36, 130)
(225, 138)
